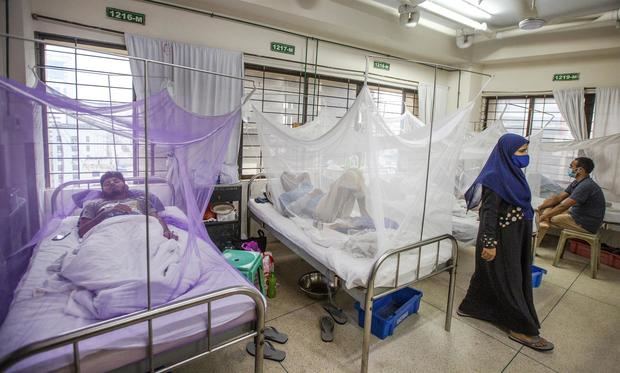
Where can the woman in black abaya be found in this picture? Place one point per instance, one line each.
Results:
(500, 290)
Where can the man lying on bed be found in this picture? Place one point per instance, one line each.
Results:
(117, 201)
(107, 271)
(334, 207)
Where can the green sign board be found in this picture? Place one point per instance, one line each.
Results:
(125, 15)
(566, 76)
(282, 48)
(381, 65)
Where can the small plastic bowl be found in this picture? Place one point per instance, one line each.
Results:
(314, 285)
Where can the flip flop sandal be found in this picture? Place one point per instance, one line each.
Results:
(538, 344)
(273, 334)
(462, 314)
(269, 352)
(327, 329)
(336, 313)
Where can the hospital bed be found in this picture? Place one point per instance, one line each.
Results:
(392, 271)
(219, 311)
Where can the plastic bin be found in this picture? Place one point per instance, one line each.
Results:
(390, 311)
(537, 275)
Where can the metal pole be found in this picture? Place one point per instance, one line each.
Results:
(451, 287)
(428, 160)
(259, 340)
(146, 191)
(367, 324)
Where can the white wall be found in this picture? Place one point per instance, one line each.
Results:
(214, 32)
(599, 71)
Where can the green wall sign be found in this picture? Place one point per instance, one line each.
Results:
(125, 15)
(381, 65)
(566, 76)
(282, 48)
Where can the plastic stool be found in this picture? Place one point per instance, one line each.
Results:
(249, 263)
(595, 247)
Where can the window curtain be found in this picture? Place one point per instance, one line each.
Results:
(571, 103)
(607, 122)
(425, 100)
(201, 93)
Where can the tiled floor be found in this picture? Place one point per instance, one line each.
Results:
(579, 314)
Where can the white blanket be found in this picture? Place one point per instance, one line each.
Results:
(108, 269)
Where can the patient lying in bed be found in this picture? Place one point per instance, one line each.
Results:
(300, 198)
(117, 201)
(334, 207)
(107, 273)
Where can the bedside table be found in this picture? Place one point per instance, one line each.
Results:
(227, 228)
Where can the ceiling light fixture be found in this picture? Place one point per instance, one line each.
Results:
(476, 10)
(409, 15)
(456, 17)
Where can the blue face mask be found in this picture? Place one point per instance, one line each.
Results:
(521, 160)
(571, 173)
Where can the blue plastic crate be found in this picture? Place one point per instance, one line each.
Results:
(390, 311)
(537, 275)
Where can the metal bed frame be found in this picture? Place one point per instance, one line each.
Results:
(367, 295)
(73, 338)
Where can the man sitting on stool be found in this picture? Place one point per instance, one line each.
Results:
(584, 198)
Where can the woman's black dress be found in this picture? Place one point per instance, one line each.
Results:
(500, 291)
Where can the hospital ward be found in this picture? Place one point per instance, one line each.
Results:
(290, 186)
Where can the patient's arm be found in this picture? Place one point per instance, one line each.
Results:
(167, 232)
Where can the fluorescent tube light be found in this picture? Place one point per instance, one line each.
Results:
(475, 10)
(454, 16)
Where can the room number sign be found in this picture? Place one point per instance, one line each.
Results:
(381, 65)
(282, 48)
(566, 76)
(125, 15)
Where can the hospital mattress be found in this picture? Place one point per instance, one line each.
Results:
(353, 270)
(34, 316)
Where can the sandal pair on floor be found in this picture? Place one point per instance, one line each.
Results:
(270, 352)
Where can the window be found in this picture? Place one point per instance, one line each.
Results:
(75, 149)
(279, 95)
(527, 114)
(292, 97)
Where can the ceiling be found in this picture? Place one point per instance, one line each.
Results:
(508, 13)
(374, 25)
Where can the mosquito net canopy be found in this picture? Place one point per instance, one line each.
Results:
(364, 185)
(156, 248)
(549, 160)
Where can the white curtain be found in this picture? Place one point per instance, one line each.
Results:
(607, 122)
(201, 93)
(425, 100)
(152, 49)
(571, 103)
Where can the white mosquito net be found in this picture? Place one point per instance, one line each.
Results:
(365, 184)
(549, 161)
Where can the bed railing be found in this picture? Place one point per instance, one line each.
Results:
(370, 286)
(73, 338)
(151, 180)
(370, 295)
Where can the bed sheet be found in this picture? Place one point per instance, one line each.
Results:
(464, 223)
(354, 271)
(35, 315)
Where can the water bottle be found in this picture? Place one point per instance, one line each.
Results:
(271, 285)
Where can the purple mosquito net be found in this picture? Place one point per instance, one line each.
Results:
(121, 265)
